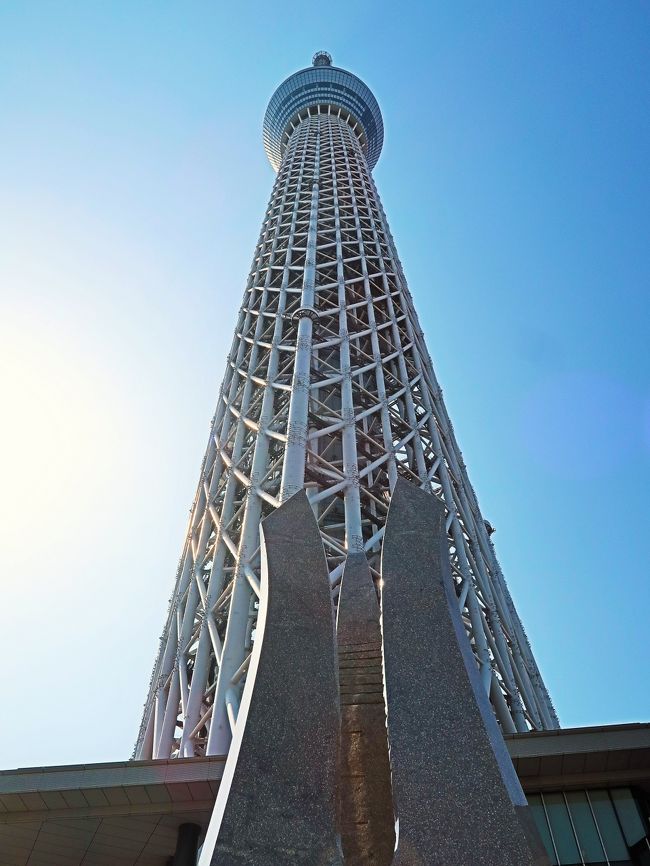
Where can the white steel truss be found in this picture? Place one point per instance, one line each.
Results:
(328, 386)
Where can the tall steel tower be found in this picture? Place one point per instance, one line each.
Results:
(328, 387)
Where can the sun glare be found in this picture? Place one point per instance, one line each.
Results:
(56, 439)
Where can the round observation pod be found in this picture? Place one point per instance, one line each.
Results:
(322, 87)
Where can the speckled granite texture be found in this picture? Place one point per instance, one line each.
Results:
(277, 802)
(365, 800)
(455, 792)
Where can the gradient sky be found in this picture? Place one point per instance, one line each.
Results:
(516, 177)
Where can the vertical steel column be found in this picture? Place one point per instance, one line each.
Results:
(293, 470)
(352, 500)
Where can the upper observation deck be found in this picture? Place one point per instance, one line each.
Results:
(329, 87)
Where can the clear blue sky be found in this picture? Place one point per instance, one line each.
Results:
(516, 178)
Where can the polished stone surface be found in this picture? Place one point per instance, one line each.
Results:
(277, 802)
(365, 800)
(456, 796)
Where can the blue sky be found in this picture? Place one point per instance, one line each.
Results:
(516, 179)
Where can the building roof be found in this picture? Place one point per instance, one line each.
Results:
(116, 814)
(607, 755)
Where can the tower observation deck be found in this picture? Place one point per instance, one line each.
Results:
(328, 388)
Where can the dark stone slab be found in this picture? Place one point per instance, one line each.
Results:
(276, 804)
(457, 798)
(365, 801)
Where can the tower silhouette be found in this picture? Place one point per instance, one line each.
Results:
(329, 388)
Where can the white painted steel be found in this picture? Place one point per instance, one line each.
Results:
(329, 386)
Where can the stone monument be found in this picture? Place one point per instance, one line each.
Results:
(309, 780)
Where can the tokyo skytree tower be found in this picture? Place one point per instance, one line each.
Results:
(328, 387)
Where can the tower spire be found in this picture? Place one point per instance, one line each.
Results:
(322, 58)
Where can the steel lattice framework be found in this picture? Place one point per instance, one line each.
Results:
(328, 386)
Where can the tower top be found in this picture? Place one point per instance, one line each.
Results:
(322, 58)
(322, 87)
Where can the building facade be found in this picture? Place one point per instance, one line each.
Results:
(589, 791)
